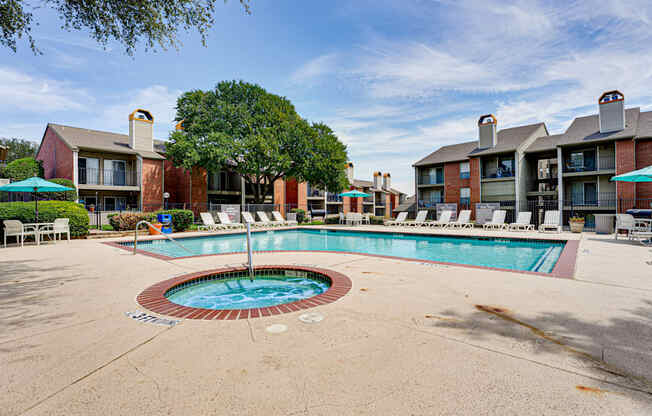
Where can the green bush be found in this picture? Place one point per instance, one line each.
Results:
(126, 221)
(65, 195)
(182, 219)
(48, 211)
(332, 220)
(301, 214)
(24, 168)
(376, 220)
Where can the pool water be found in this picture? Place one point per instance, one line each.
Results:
(503, 253)
(263, 291)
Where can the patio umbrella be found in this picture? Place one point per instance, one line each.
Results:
(354, 194)
(34, 185)
(641, 175)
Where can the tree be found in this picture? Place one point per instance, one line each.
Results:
(156, 22)
(18, 149)
(24, 168)
(259, 135)
(63, 195)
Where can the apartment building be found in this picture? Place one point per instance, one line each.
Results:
(526, 168)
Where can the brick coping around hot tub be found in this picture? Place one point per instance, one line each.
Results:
(153, 298)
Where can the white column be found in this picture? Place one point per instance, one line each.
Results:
(139, 169)
(560, 185)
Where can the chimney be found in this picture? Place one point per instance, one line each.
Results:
(377, 180)
(179, 126)
(349, 172)
(387, 181)
(141, 136)
(487, 131)
(611, 107)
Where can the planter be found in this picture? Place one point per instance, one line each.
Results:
(577, 226)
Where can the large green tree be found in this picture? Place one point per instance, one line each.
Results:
(18, 148)
(155, 22)
(259, 135)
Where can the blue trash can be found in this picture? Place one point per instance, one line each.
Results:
(166, 220)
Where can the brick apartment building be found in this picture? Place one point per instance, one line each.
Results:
(130, 171)
(525, 168)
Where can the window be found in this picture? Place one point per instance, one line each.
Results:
(465, 170)
(89, 170)
(115, 172)
(465, 196)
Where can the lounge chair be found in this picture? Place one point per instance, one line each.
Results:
(420, 220)
(522, 222)
(59, 226)
(249, 219)
(226, 222)
(550, 221)
(635, 227)
(463, 220)
(15, 228)
(497, 221)
(444, 219)
(400, 219)
(208, 222)
(262, 215)
(279, 218)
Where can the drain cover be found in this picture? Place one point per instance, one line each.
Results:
(276, 328)
(311, 317)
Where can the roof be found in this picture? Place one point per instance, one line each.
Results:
(359, 183)
(405, 205)
(644, 127)
(78, 138)
(509, 140)
(544, 143)
(587, 129)
(450, 153)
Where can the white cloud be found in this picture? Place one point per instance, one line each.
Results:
(315, 68)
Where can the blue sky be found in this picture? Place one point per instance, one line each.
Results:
(394, 79)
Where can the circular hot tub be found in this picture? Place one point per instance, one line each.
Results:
(230, 293)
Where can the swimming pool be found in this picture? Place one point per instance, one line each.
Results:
(502, 253)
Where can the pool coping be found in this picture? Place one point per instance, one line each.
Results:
(564, 268)
(153, 298)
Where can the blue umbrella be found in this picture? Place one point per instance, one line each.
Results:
(641, 175)
(34, 184)
(354, 194)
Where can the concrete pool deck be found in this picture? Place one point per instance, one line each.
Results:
(409, 338)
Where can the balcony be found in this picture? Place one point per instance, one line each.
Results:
(380, 203)
(497, 173)
(465, 201)
(606, 164)
(314, 192)
(333, 198)
(108, 177)
(430, 203)
(368, 200)
(431, 180)
(591, 200)
(465, 175)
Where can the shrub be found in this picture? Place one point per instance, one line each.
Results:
(182, 219)
(301, 214)
(24, 168)
(376, 220)
(126, 221)
(332, 220)
(65, 195)
(48, 211)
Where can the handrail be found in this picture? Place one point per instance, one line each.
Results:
(249, 253)
(159, 231)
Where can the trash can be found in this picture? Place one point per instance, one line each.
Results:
(166, 223)
(155, 229)
(604, 223)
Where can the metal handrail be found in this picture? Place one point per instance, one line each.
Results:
(249, 253)
(159, 231)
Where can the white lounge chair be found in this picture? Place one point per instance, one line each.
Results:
(420, 220)
(279, 218)
(59, 226)
(635, 227)
(444, 219)
(400, 219)
(523, 222)
(249, 219)
(550, 221)
(226, 222)
(262, 215)
(463, 220)
(208, 222)
(15, 228)
(497, 221)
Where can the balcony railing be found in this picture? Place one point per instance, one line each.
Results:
(314, 192)
(589, 165)
(380, 203)
(334, 198)
(601, 199)
(111, 177)
(431, 180)
(497, 173)
(369, 199)
(430, 203)
(465, 201)
(465, 175)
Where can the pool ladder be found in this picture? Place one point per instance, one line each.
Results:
(159, 231)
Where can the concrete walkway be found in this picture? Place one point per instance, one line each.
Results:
(410, 338)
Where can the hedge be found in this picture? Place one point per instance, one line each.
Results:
(126, 221)
(182, 219)
(65, 195)
(24, 168)
(48, 211)
(301, 214)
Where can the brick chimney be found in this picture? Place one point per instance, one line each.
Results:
(611, 107)
(487, 131)
(141, 134)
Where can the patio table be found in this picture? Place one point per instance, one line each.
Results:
(38, 227)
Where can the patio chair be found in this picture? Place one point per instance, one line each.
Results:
(59, 226)
(342, 218)
(353, 218)
(400, 219)
(208, 222)
(522, 222)
(444, 219)
(15, 228)
(279, 218)
(249, 219)
(497, 221)
(463, 220)
(226, 222)
(365, 218)
(262, 215)
(550, 221)
(632, 225)
(420, 220)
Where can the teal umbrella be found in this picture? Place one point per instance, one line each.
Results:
(35, 185)
(354, 194)
(641, 175)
